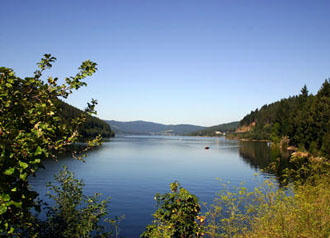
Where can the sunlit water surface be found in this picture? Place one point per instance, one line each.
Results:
(132, 169)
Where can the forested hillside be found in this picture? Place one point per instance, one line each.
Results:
(303, 118)
(222, 128)
(93, 125)
(151, 128)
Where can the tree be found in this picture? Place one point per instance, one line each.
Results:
(31, 130)
(74, 215)
(303, 118)
(304, 91)
(176, 216)
(322, 118)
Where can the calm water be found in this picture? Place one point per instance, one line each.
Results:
(132, 169)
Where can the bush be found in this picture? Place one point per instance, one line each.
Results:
(74, 214)
(305, 214)
(301, 211)
(176, 216)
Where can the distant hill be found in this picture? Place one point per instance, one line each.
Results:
(93, 125)
(217, 130)
(151, 128)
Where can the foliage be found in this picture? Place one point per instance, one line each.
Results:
(91, 128)
(299, 211)
(74, 214)
(234, 209)
(210, 131)
(305, 119)
(305, 214)
(299, 168)
(176, 216)
(32, 129)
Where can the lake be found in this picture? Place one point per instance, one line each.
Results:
(131, 169)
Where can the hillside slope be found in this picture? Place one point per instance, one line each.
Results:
(151, 128)
(304, 119)
(92, 127)
(217, 130)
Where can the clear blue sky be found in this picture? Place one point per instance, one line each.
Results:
(200, 62)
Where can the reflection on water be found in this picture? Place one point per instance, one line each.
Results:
(256, 154)
(132, 169)
(266, 157)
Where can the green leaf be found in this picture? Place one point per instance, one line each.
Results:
(36, 161)
(9, 171)
(11, 230)
(3, 209)
(5, 197)
(38, 151)
(23, 164)
(16, 204)
(23, 176)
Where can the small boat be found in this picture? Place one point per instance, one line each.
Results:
(206, 147)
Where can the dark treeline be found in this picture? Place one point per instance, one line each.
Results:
(303, 118)
(92, 127)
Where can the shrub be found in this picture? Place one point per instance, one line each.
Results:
(305, 214)
(74, 214)
(176, 216)
(301, 210)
